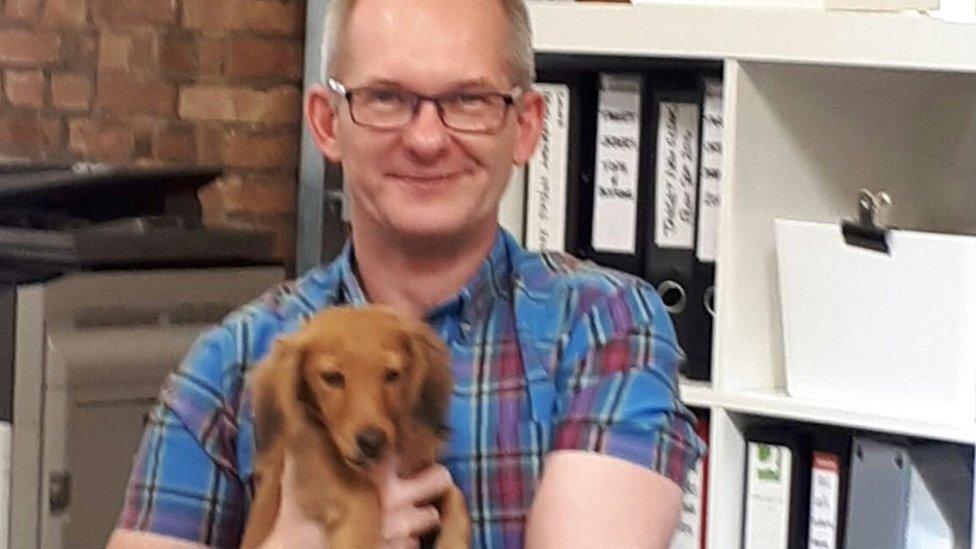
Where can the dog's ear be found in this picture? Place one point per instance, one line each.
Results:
(431, 380)
(280, 391)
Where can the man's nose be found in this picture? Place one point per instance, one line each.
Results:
(426, 135)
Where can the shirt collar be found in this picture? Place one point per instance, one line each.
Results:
(471, 303)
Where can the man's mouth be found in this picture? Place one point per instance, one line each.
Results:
(426, 179)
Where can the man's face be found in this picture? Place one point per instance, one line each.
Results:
(426, 180)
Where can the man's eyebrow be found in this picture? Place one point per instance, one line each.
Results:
(480, 84)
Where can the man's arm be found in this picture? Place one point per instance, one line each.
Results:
(131, 539)
(623, 442)
(592, 500)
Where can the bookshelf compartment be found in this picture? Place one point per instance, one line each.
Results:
(949, 477)
(803, 141)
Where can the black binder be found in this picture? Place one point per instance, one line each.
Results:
(702, 294)
(671, 270)
(582, 131)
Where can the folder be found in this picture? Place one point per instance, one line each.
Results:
(547, 175)
(511, 208)
(907, 496)
(776, 489)
(690, 532)
(702, 293)
(615, 221)
(830, 466)
(672, 166)
(581, 133)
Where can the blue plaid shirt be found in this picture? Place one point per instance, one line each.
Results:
(548, 352)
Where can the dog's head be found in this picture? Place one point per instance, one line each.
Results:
(365, 375)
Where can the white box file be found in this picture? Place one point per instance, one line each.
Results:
(892, 334)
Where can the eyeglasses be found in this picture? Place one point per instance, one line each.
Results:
(389, 108)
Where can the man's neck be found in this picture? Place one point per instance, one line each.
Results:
(413, 278)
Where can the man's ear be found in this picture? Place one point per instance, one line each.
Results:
(321, 107)
(531, 110)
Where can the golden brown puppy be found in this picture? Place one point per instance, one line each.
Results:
(349, 387)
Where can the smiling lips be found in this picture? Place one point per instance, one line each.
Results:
(427, 180)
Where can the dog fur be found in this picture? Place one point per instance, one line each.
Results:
(350, 382)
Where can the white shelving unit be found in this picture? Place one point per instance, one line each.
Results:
(817, 105)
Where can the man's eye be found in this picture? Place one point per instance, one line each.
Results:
(472, 101)
(334, 379)
(384, 97)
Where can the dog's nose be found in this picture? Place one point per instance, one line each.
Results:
(371, 442)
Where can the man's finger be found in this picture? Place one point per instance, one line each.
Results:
(411, 523)
(428, 485)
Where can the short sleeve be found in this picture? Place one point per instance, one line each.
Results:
(618, 390)
(184, 481)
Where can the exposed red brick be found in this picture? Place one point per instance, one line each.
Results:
(114, 50)
(264, 58)
(22, 10)
(175, 144)
(25, 88)
(101, 140)
(279, 105)
(211, 54)
(210, 143)
(65, 13)
(79, 50)
(242, 150)
(266, 194)
(121, 94)
(275, 17)
(134, 12)
(71, 92)
(177, 53)
(29, 136)
(213, 15)
(263, 16)
(27, 48)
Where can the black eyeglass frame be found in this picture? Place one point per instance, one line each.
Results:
(508, 99)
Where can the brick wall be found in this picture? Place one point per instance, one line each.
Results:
(209, 82)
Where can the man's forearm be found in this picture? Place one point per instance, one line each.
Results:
(131, 539)
(590, 500)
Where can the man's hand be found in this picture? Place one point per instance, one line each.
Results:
(406, 503)
(408, 512)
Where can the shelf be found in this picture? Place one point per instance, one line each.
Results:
(776, 403)
(697, 393)
(791, 35)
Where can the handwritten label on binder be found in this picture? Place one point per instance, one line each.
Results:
(676, 177)
(617, 155)
(710, 176)
(824, 500)
(546, 208)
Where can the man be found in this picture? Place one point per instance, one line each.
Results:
(556, 362)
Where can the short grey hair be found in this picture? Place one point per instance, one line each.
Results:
(520, 56)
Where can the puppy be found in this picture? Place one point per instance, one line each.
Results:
(351, 386)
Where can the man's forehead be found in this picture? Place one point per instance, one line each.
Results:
(455, 40)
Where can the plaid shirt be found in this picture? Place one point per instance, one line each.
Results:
(548, 353)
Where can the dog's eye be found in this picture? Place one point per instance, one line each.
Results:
(334, 379)
(391, 376)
